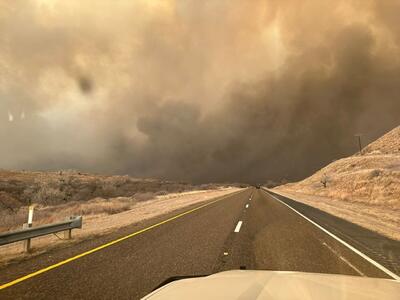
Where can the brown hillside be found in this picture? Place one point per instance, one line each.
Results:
(370, 181)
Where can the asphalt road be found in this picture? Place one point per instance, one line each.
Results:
(249, 230)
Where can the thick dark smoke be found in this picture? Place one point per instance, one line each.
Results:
(195, 90)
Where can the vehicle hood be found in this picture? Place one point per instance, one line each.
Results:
(277, 285)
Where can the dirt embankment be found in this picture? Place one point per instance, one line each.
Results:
(363, 188)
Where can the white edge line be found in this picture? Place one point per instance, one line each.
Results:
(379, 266)
(237, 228)
(344, 259)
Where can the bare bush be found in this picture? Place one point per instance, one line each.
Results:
(116, 209)
(209, 186)
(12, 219)
(144, 196)
(161, 193)
(8, 202)
(324, 180)
(374, 173)
(49, 195)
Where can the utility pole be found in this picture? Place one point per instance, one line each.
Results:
(359, 135)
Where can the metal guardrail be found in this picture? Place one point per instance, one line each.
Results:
(32, 232)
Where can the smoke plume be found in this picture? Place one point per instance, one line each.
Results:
(195, 90)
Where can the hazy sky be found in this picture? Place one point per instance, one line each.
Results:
(223, 90)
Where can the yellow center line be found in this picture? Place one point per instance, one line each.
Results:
(59, 264)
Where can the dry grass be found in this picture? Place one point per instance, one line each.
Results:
(48, 214)
(372, 179)
(18, 188)
(44, 214)
(58, 195)
(388, 144)
(369, 182)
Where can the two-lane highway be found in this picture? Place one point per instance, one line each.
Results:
(250, 229)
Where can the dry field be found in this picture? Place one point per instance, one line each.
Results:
(57, 195)
(364, 189)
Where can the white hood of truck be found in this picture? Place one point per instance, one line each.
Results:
(278, 285)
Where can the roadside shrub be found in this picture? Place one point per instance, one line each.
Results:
(8, 202)
(161, 193)
(111, 210)
(12, 219)
(374, 173)
(144, 196)
(49, 195)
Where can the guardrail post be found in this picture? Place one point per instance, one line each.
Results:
(27, 242)
(68, 234)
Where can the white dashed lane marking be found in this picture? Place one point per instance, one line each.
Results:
(239, 224)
